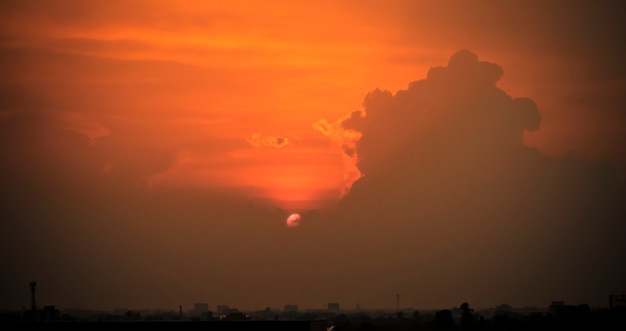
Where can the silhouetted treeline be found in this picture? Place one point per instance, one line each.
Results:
(468, 320)
(461, 318)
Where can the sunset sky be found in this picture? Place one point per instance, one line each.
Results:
(448, 151)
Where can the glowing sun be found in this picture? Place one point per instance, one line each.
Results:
(293, 220)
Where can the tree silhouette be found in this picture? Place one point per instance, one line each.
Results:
(443, 320)
(467, 317)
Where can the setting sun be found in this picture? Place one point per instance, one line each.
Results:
(293, 220)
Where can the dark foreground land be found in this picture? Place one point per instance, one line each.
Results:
(177, 325)
(558, 317)
(591, 321)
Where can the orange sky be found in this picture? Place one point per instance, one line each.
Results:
(208, 73)
(194, 76)
(247, 97)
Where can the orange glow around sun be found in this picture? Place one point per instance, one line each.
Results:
(241, 95)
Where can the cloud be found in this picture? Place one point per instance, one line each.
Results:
(449, 107)
(61, 150)
(343, 140)
(76, 122)
(449, 188)
(259, 140)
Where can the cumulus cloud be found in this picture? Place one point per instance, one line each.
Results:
(259, 140)
(459, 103)
(344, 140)
(446, 176)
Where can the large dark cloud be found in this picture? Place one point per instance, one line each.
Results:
(452, 204)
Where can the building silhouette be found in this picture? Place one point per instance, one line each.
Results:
(617, 301)
(290, 308)
(200, 308)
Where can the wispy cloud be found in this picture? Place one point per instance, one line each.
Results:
(259, 140)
